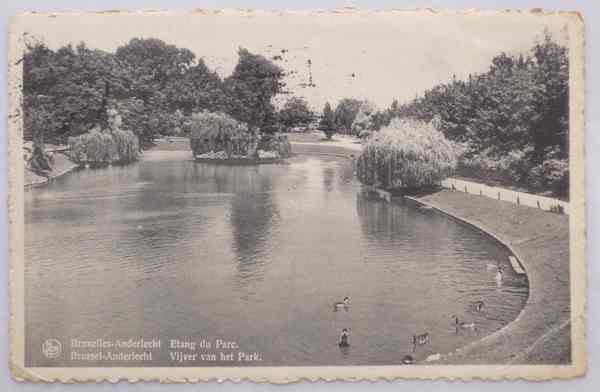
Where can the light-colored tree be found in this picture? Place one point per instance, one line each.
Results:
(219, 132)
(408, 154)
(364, 118)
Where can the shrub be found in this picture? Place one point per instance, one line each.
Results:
(364, 134)
(219, 132)
(518, 167)
(99, 147)
(512, 166)
(127, 145)
(408, 154)
(94, 147)
(276, 143)
(364, 118)
(552, 174)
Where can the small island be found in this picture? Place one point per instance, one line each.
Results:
(217, 137)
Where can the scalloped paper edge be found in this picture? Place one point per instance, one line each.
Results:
(284, 375)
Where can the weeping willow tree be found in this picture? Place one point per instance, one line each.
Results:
(103, 146)
(219, 132)
(408, 154)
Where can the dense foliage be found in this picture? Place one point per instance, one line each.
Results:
(220, 132)
(513, 120)
(363, 122)
(65, 92)
(408, 154)
(155, 87)
(163, 83)
(277, 143)
(252, 85)
(105, 146)
(295, 113)
(345, 113)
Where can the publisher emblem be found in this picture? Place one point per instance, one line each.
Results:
(51, 348)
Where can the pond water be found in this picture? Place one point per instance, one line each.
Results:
(172, 249)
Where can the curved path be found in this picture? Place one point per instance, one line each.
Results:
(540, 240)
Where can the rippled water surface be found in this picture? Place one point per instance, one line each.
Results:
(173, 249)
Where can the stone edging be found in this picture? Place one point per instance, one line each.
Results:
(498, 239)
(477, 226)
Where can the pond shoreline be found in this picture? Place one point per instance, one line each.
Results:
(62, 166)
(546, 312)
(540, 241)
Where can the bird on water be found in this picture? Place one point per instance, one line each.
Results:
(344, 338)
(462, 324)
(342, 305)
(500, 275)
(420, 340)
(479, 306)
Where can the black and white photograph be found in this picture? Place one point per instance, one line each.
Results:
(289, 194)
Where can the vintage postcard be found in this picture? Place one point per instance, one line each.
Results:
(297, 195)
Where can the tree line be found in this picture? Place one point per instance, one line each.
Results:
(155, 87)
(511, 122)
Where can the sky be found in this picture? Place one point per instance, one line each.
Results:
(378, 56)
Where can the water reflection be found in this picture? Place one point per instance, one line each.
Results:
(328, 178)
(171, 248)
(253, 213)
(345, 351)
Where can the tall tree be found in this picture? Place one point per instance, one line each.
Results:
(252, 85)
(327, 124)
(153, 63)
(156, 70)
(196, 90)
(552, 98)
(345, 113)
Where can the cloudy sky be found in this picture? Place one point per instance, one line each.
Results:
(369, 55)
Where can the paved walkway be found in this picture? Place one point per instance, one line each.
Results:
(348, 147)
(522, 198)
